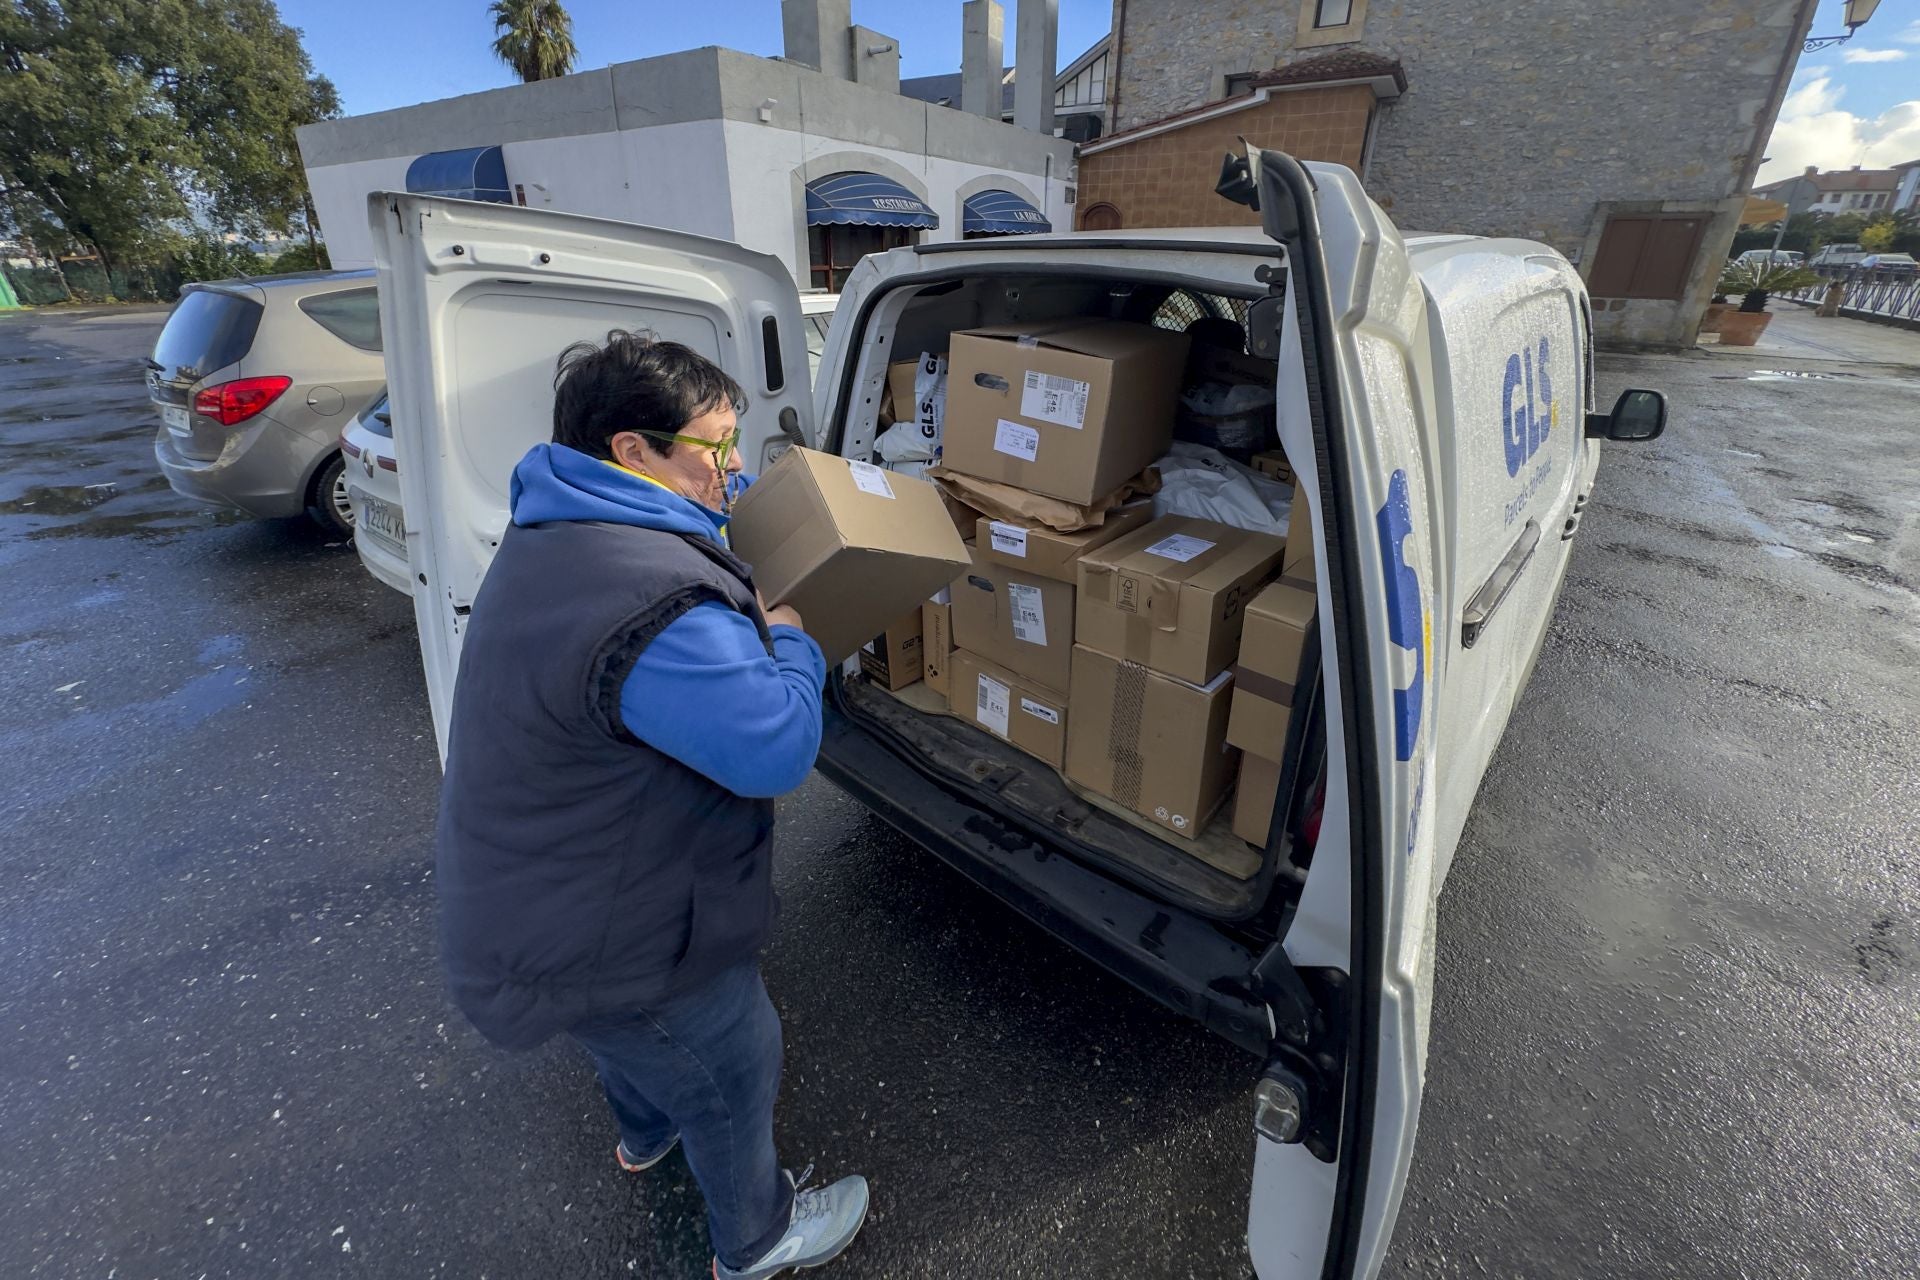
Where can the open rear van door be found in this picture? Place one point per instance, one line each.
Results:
(1335, 1120)
(478, 300)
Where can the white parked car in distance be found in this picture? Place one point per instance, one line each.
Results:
(373, 489)
(1433, 395)
(1778, 257)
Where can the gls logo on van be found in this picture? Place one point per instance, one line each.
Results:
(1526, 420)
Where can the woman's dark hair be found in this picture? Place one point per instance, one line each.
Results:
(636, 382)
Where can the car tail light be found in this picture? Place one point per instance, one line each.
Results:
(349, 448)
(231, 403)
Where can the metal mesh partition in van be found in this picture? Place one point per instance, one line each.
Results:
(1184, 306)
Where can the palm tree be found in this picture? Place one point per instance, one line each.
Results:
(535, 37)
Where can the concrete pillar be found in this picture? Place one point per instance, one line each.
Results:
(875, 58)
(1035, 59)
(815, 33)
(982, 58)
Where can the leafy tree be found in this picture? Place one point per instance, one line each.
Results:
(1844, 228)
(1877, 236)
(204, 256)
(534, 37)
(304, 257)
(127, 118)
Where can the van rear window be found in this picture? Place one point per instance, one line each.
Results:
(208, 330)
(352, 316)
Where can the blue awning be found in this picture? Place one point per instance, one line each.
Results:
(865, 199)
(475, 173)
(1001, 213)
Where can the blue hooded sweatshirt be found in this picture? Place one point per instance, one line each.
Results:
(704, 691)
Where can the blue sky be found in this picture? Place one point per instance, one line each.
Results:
(1857, 103)
(391, 53)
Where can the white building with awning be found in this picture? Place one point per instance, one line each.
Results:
(816, 167)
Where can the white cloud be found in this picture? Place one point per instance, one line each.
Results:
(1911, 35)
(1873, 55)
(1814, 130)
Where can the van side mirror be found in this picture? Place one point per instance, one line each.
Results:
(1637, 415)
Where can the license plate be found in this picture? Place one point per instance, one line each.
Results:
(381, 519)
(177, 419)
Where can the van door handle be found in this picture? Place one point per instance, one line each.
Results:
(1480, 608)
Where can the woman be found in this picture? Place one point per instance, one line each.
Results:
(627, 708)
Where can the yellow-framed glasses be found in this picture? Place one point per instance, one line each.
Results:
(722, 450)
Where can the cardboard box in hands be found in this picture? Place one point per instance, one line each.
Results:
(853, 547)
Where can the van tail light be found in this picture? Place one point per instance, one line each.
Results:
(231, 403)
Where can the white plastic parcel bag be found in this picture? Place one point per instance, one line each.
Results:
(1205, 483)
(918, 428)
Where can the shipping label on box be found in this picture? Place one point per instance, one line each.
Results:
(1043, 553)
(853, 547)
(1009, 705)
(1272, 644)
(1148, 742)
(1169, 595)
(894, 658)
(1071, 409)
(1018, 621)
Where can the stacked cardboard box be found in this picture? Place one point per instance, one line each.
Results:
(1107, 652)
(849, 545)
(1071, 409)
(1266, 678)
(1160, 615)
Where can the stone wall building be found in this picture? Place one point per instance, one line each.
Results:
(1622, 132)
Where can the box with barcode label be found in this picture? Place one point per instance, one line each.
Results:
(1010, 706)
(1068, 408)
(1171, 595)
(1044, 553)
(1016, 619)
(854, 548)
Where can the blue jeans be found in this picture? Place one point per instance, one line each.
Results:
(706, 1066)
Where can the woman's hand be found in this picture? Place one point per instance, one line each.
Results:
(778, 615)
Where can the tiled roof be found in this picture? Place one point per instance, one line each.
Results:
(1341, 64)
(1345, 64)
(1857, 180)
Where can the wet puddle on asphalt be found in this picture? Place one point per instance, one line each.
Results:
(60, 499)
(58, 504)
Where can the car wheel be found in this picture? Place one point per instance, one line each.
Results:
(327, 504)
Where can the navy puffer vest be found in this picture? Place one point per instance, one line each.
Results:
(580, 871)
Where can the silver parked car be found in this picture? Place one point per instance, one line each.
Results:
(253, 380)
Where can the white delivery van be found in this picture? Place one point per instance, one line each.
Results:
(1433, 397)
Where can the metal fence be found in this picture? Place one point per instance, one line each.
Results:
(1870, 295)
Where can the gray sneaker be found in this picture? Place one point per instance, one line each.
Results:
(824, 1222)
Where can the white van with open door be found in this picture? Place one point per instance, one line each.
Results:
(1433, 396)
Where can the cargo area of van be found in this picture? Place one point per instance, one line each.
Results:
(1175, 468)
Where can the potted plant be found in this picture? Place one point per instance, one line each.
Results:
(1719, 306)
(1755, 282)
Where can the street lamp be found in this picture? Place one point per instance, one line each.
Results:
(1856, 15)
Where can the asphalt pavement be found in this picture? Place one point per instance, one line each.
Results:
(1678, 986)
